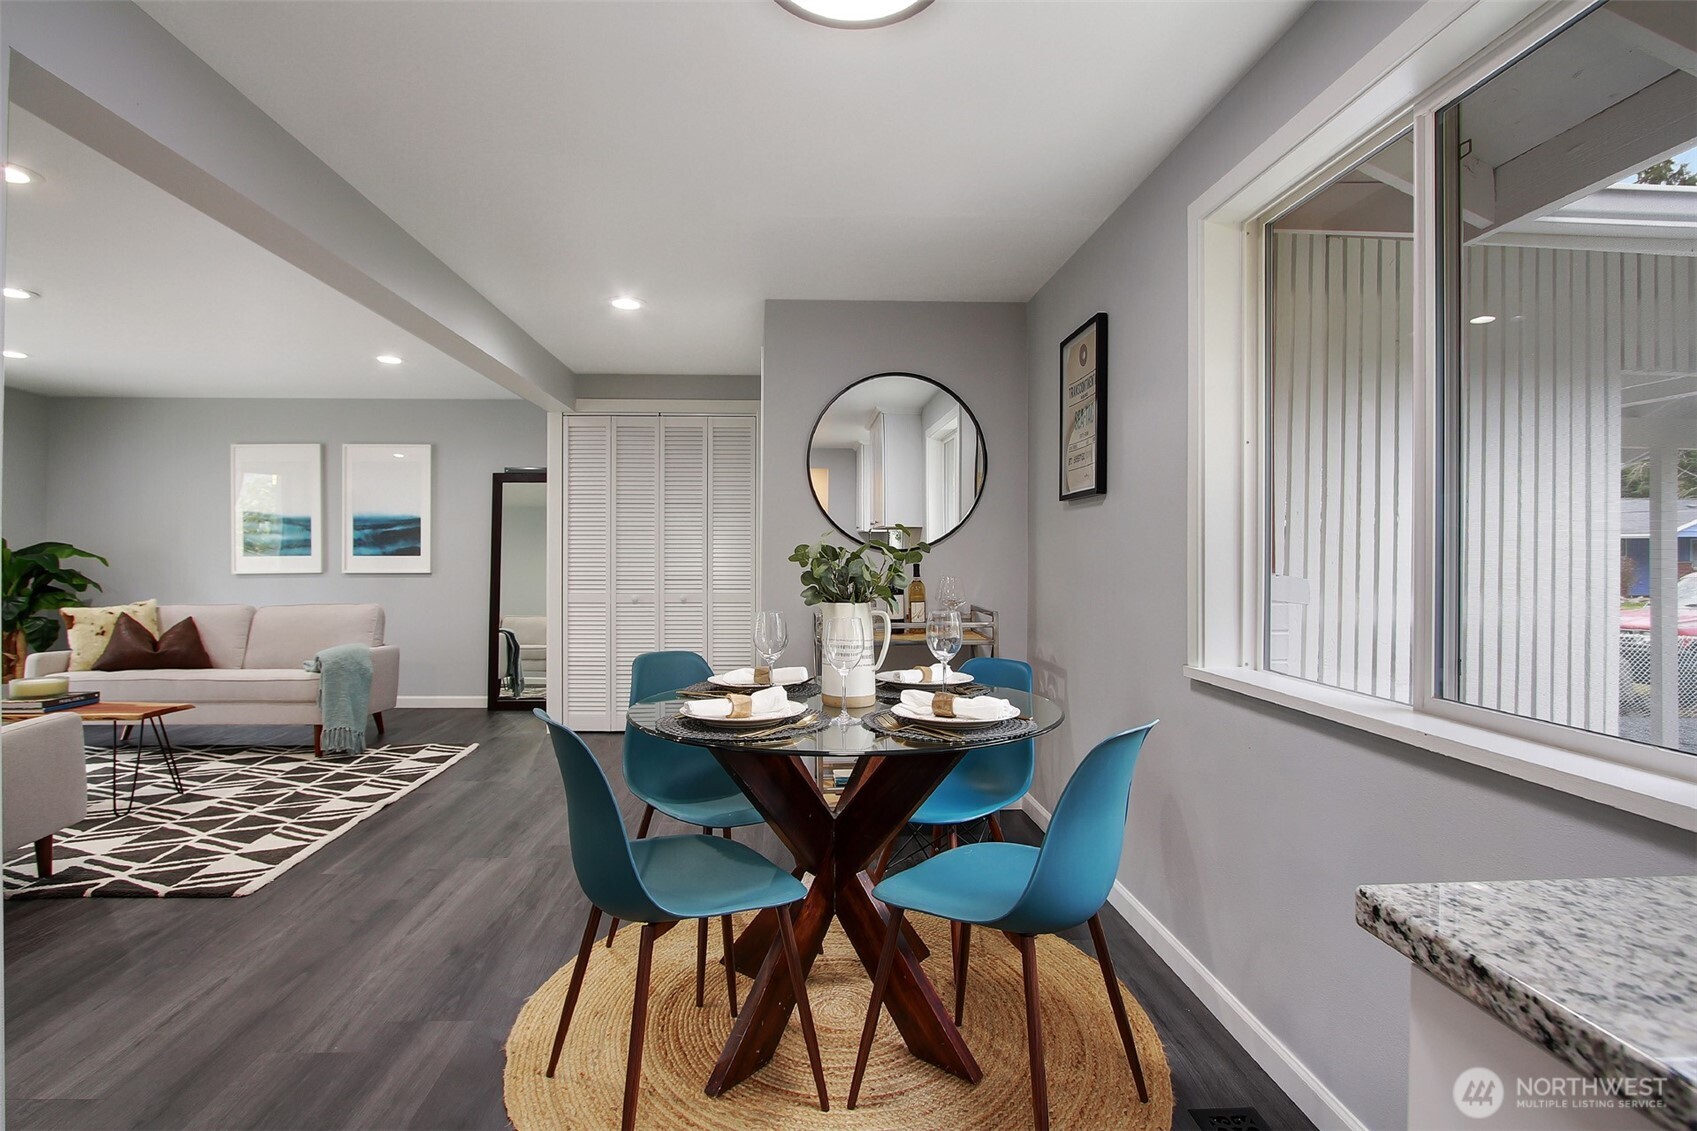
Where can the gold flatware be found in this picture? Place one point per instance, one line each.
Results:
(785, 725)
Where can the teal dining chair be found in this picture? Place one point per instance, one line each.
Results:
(1026, 892)
(657, 882)
(686, 783)
(986, 780)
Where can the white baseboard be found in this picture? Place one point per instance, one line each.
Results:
(441, 701)
(1318, 1102)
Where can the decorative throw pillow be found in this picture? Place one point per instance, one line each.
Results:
(89, 629)
(132, 648)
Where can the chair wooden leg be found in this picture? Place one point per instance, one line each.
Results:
(44, 857)
(1034, 1034)
(730, 962)
(798, 985)
(996, 827)
(954, 927)
(638, 1026)
(318, 740)
(641, 831)
(378, 717)
(960, 971)
(884, 860)
(1113, 982)
(583, 951)
(880, 982)
(700, 962)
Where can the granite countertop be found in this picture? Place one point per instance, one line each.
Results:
(1602, 973)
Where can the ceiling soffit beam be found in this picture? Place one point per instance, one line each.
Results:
(181, 126)
(1660, 118)
(1662, 29)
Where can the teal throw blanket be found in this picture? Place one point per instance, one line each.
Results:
(344, 695)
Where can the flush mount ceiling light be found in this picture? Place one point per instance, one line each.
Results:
(388, 359)
(853, 13)
(18, 292)
(18, 175)
(15, 355)
(625, 302)
(1482, 319)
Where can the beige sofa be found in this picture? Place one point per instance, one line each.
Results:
(43, 781)
(256, 678)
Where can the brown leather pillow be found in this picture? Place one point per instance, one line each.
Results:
(133, 648)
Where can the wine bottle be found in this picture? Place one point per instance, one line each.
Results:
(915, 597)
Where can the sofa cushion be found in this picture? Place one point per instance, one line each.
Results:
(286, 636)
(133, 648)
(223, 629)
(88, 629)
(212, 685)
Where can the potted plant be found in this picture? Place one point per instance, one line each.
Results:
(846, 582)
(37, 585)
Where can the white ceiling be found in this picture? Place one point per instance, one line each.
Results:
(142, 295)
(706, 155)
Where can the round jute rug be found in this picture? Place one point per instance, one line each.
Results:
(1090, 1086)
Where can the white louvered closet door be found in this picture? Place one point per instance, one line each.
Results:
(588, 573)
(730, 545)
(683, 533)
(636, 546)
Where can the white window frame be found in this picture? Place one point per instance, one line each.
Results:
(1441, 52)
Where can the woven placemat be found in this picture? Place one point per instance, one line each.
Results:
(688, 730)
(795, 690)
(887, 723)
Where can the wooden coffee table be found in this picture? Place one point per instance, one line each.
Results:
(139, 716)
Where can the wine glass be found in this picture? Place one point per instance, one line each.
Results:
(950, 594)
(843, 643)
(771, 637)
(942, 636)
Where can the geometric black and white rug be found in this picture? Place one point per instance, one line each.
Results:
(245, 817)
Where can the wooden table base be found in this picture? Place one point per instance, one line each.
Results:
(836, 848)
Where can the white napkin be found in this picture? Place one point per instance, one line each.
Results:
(986, 707)
(762, 702)
(744, 677)
(925, 673)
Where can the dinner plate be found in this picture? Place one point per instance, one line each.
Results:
(955, 678)
(902, 710)
(789, 710)
(721, 681)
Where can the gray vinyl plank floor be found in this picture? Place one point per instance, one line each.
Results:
(372, 986)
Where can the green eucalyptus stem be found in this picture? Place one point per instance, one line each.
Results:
(871, 571)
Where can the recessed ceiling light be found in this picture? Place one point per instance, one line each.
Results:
(1482, 319)
(399, 455)
(18, 175)
(388, 359)
(15, 355)
(625, 302)
(853, 13)
(18, 292)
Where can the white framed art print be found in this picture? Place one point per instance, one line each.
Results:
(276, 508)
(386, 508)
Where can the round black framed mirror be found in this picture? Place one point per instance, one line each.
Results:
(897, 449)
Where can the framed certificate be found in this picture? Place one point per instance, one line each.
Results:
(1084, 406)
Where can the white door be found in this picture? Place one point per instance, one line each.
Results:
(636, 547)
(587, 571)
(730, 562)
(683, 533)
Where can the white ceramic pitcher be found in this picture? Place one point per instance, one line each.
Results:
(862, 688)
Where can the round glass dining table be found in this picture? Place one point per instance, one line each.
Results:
(892, 775)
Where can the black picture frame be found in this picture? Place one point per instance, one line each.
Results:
(1083, 459)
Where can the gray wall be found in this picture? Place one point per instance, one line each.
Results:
(1252, 825)
(146, 482)
(25, 452)
(814, 349)
(843, 464)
